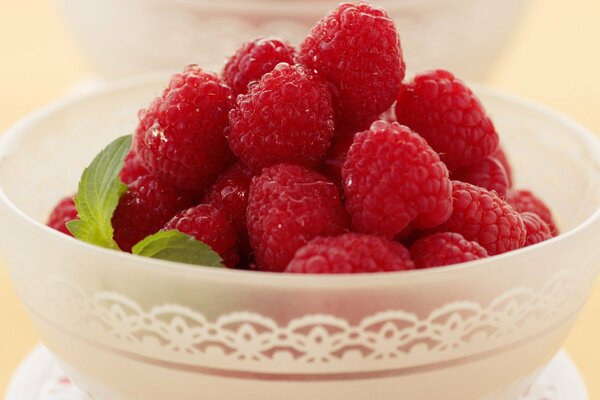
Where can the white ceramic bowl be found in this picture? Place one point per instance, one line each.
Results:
(136, 36)
(133, 328)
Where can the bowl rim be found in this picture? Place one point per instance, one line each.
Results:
(11, 138)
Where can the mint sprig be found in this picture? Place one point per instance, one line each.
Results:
(173, 245)
(98, 195)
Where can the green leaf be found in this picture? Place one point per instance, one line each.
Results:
(176, 246)
(98, 195)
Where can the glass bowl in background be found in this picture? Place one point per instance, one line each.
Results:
(126, 327)
(130, 37)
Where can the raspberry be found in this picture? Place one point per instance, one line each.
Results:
(392, 177)
(482, 216)
(357, 49)
(526, 201)
(537, 229)
(350, 253)
(180, 136)
(443, 110)
(254, 59)
(230, 194)
(500, 155)
(132, 168)
(62, 213)
(289, 205)
(336, 155)
(286, 117)
(445, 248)
(342, 140)
(211, 226)
(146, 206)
(488, 174)
(334, 159)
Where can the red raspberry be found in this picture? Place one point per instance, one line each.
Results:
(146, 206)
(445, 248)
(500, 155)
(335, 157)
(286, 117)
(537, 229)
(482, 216)
(132, 168)
(342, 140)
(351, 253)
(211, 226)
(180, 136)
(62, 213)
(488, 174)
(254, 59)
(443, 110)
(392, 177)
(230, 194)
(526, 201)
(289, 205)
(357, 49)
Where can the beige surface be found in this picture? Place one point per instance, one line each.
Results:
(554, 59)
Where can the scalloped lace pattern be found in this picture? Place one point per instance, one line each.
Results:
(315, 343)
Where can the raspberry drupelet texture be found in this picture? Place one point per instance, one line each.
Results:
(286, 117)
(62, 213)
(146, 206)
(211, 226)
(230, 194)
(445, 248)
(501, 156)
(335, 157)
(482, 216)
(392, 177)
(180, 135)
(350, 253)
(443, 110)
(526, 201)
(254, 59)
(537, 229)
(132, 168)
(342, 140)
(357, 49)
(488, 174)
(289, 205)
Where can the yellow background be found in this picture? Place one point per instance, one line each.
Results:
(554, 58)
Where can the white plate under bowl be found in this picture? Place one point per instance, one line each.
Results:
(40, 378)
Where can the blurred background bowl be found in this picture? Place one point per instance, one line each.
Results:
(130, 37)
(126, 327)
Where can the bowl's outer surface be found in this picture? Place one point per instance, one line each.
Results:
(127, 38)
(133, 328)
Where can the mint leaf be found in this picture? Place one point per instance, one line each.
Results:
(98, 195)
(176, 246)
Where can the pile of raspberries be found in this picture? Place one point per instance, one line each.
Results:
(323, 159)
